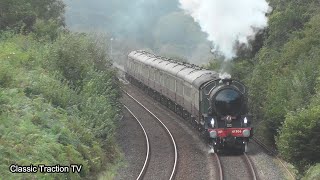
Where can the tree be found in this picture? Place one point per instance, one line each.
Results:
(21, 15)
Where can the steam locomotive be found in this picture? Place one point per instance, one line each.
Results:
(216, 105)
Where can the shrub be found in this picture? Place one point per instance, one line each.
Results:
(313, 173)
(45, 118)
(299, 139)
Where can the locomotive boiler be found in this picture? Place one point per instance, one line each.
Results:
(216, 105)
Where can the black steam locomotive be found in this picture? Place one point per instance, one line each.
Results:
(216, 105)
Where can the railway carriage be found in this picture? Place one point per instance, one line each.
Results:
(217, 106)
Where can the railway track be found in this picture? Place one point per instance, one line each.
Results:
(147, 159)
(219, 167)
(227, 171)
(251, 167)
(161, 155)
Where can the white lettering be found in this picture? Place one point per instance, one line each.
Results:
(14, 168)
(237, 131)
(76, 167)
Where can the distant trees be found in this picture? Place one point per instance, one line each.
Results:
(22, 15)
(176, 34)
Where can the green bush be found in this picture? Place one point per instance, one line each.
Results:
(284, 79)
(69, 56)
(53, 90)
(29, 136)
(299, 140)
(313, 173)
(45, 118)
(6, 75)
(59, 98)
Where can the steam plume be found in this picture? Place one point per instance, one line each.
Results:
(228, 22)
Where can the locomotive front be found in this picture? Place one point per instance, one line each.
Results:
(228, 121)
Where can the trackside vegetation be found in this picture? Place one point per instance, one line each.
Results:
(58, 94)
(283, 77)
(56, 107)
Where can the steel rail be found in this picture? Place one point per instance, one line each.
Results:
(146, 161)
(221, 177)
(168, 131)
(253, 172)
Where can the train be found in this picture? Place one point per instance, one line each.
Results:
(215, 105)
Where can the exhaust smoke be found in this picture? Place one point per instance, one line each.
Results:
(228, 22)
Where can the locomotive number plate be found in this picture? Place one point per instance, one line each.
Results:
(237, 131)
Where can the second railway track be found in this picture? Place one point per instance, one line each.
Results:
(162, 160)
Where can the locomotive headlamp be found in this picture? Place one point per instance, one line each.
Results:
(212, 122)
(213, 134)
(229, 119)
(246, 133)
(245, 121)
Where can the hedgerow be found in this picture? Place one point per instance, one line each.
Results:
(55, 106)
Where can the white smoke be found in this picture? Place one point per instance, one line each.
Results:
(228, 21)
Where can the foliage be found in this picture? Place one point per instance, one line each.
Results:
(47, 119)
(23, 15)
(69, 56)
(313, 173)
(299, 141)
(59, 99)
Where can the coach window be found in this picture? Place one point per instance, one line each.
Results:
(175, 85)
(162, 79)
(146, 71)
(172, 84)
(168, 82)
(140, 68)
(179, 88)
(151, 73)
(137, 67)
(134, 67)
(157, 76)
(187, 91)
(196, 98)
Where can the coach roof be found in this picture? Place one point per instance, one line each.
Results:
(188, 72)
